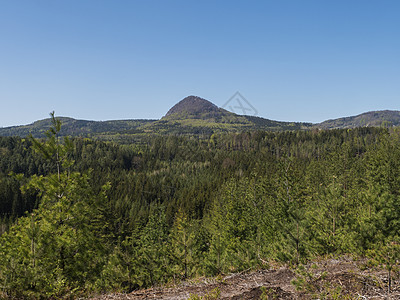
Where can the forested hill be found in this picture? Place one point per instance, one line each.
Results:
(384, 118)
(73, 127)
(195, 115)
(191, 116)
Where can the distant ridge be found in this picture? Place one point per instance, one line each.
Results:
(193, 115)
(386, 118)
(73, 127)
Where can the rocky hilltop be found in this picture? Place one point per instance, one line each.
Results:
(193, 105)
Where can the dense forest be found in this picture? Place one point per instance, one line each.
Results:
(81, 216)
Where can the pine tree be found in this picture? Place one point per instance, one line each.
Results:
(181, 242)
(59, 247)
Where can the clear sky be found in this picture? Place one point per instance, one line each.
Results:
(293, 60)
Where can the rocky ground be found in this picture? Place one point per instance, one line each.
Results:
(342, 278)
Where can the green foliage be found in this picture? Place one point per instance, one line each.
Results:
(96, 216)
(58, 248)
(212, 295)
(182, 243)
(268, 293)
(306, 279)
(388, 256)
(234, 228)
(153, 257)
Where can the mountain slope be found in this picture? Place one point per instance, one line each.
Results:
(193, 116)
(368, 119)
(193, 105)
(73, 127)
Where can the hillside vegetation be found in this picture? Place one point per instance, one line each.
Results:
(384, 118)
(193, 116)
(80, 216)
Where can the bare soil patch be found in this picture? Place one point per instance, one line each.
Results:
(328, 279)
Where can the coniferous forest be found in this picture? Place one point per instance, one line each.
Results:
(81, 216)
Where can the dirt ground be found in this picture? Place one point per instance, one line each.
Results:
(341, 278)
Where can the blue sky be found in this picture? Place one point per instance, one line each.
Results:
(105, 60)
